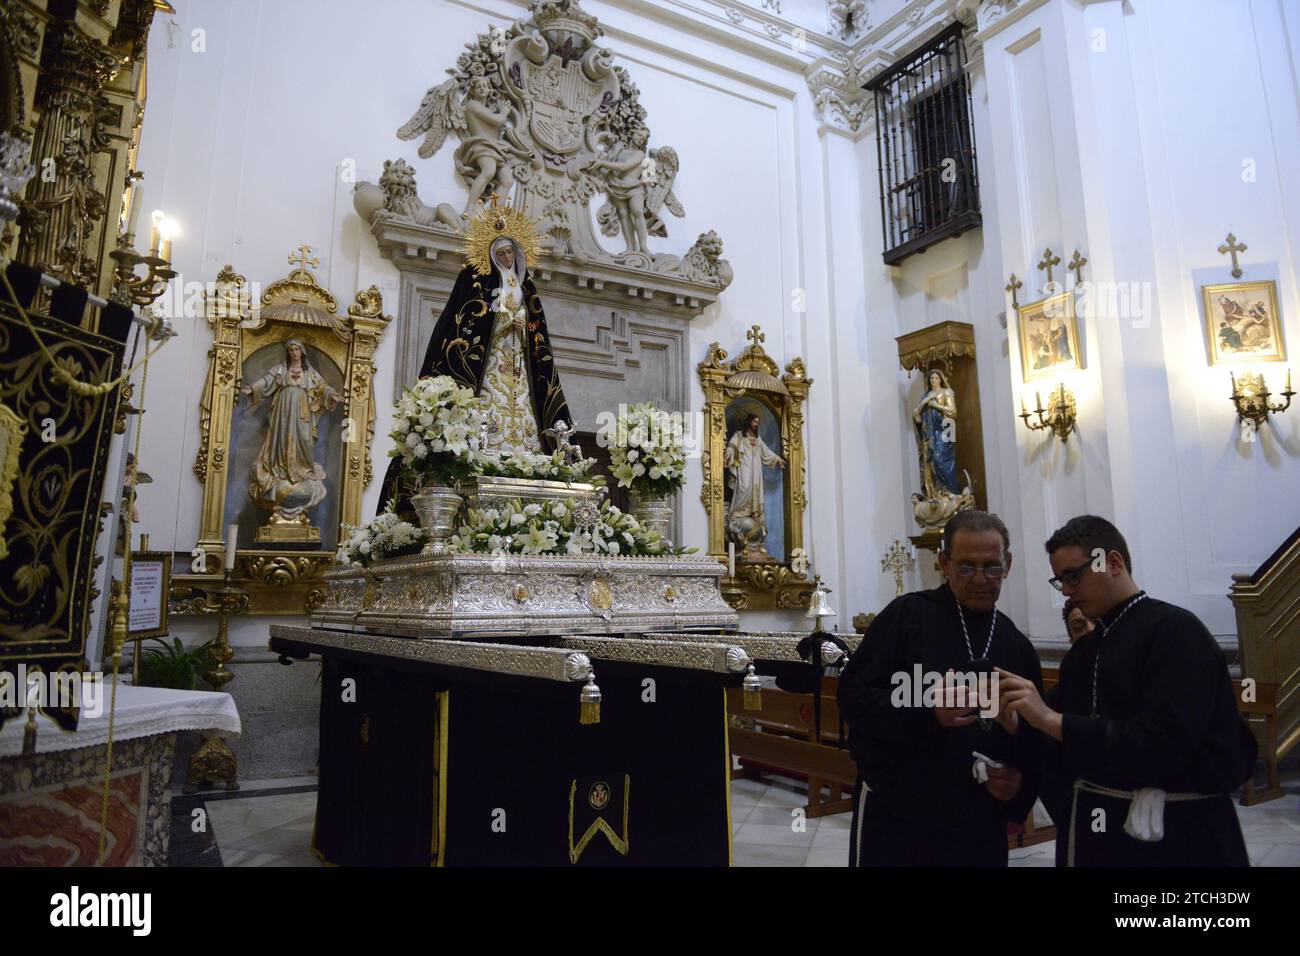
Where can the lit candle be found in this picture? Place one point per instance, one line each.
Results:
(155, 233)
(231, 533)
(137, 203)
(731, 559)
(166, 252)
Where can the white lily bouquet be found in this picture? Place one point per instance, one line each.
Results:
(554, 527)
(646, 450)
(520, 464)
(436, 426)
(384, 536)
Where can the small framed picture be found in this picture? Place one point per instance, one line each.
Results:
(150, 584)
(1049, 337)
(1242, 323)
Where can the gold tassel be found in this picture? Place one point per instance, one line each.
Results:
(590, 707)
(753, 688)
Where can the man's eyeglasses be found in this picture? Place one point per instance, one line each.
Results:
(1069, 576)
(994, 572)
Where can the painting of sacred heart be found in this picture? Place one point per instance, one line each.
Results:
(1049, 337)
(1242, 323)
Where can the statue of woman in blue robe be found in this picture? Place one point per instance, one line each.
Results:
(935, 419)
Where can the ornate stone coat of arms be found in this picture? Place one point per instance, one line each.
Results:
(545, 117)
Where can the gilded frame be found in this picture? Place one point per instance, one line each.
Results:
(1044, 307)
(765, 585)
(1263, 287)
(280, 580)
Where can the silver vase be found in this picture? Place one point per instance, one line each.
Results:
(437, 507)
(654, 512)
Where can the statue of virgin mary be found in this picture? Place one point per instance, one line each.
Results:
(492, 337)
(285, 478)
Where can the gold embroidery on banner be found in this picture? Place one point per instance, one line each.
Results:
(599, 825)
(12, 430)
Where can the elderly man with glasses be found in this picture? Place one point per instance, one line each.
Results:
(939, 776)
(1144, 741)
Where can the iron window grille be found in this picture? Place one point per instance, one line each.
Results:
(925, 147)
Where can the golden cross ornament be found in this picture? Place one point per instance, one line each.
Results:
(755, 335)
(898, 558)
(1011, 287)
(1076, 264)
(1047, 262)
(1232, 247)
(302, 260)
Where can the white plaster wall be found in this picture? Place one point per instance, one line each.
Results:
(1112, 131)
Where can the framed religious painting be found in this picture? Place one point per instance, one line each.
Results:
(1049, 337)
(754, 483)
(286, 424)
(1242, 323)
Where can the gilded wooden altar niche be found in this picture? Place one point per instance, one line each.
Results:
(257, 401)
(759, 417)
(949, 347)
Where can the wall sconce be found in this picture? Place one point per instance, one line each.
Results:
(1250, 396)
(1061, 414)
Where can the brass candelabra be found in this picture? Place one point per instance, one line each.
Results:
(899, 557)
(214, 760)
(1252, 399)
(1060, 416)
(131, 289)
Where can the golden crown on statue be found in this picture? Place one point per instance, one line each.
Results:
(494, 221)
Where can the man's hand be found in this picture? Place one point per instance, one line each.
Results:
(962, 716)
(1004, 783)
(1020, 696)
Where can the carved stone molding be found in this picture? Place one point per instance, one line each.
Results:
(838, 98)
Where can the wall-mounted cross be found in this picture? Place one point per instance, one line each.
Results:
(1232, 247)
(1047, 262)
(1077, 263)
(1011, 287)
(302, 260)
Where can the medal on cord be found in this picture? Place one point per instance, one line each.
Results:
(985, 723)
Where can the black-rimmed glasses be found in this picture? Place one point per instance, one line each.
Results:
(1069, 576)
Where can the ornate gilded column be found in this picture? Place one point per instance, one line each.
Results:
(63, 203)
(367, 322)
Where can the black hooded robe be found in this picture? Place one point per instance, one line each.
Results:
(923, 807)
(460, 344)
(1168, 720)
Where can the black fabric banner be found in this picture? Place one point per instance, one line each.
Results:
(47, 575)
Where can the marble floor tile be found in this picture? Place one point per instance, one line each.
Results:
(827, 857)
(1284, 854)
(775, 835)
(755, 854)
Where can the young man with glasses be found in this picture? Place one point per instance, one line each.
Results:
(923, 798)
(1144, 740)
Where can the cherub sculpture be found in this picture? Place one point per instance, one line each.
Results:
(484, 123)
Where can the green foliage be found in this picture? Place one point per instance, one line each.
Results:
(173, 666)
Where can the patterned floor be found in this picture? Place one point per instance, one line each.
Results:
(270, 824)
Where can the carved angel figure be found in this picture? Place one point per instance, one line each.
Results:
(638, 185)
(483, 121)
